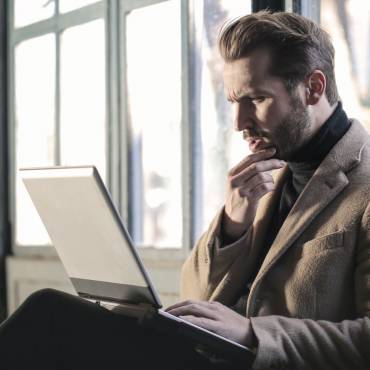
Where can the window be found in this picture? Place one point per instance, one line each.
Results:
(27, 12)
(153, 60)
(348, 24)
(217, 146)
(35, 129)
(58, 64)
(134, 87)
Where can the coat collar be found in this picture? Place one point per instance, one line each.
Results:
(326, 183)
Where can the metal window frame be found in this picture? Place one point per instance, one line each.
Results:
(4, 169)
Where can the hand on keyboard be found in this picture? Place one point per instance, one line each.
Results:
(217, 318)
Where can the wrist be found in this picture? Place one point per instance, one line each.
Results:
(231, 231)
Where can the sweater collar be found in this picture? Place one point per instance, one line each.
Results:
(320, 145)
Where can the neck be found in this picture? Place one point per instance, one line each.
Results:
(318, 145)
(320, 113)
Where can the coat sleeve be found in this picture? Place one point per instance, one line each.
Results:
(210, 264)
(287, 343)
(313, 345)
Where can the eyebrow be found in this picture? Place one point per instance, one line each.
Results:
(245, 94)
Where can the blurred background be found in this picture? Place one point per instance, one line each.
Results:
(135, 88)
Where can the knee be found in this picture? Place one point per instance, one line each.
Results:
(43, 298)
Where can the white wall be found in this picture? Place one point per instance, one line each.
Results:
(26, 275)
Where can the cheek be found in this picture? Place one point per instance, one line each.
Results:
(266, 113)
(274, 112)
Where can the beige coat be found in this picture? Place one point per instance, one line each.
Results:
(310, 302)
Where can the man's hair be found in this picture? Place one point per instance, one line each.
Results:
(297, 45)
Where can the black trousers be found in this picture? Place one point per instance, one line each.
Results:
(54, 330)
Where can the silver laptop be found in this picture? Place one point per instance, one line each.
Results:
(99, 256)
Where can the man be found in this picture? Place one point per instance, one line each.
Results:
(285, 266)
(290, 252)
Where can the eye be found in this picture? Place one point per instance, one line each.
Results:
(258, 99)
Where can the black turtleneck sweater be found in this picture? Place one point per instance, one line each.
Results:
(305, 163)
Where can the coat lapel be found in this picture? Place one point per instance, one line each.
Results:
(323, 187)
(328, 181)
(266, 210)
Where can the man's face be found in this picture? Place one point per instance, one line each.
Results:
(265, 112)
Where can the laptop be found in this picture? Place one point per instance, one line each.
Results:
(100, 258)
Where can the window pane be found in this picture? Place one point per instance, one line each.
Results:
(348, 24)
(83, 94)
(35, 141)
(221, 146)
(30, 11)
(68, 5)
(154, 86)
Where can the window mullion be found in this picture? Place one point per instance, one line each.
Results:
(4, 169)
(186, 131)
(195, 64)
(11, 120)
(192, 117)
(309, 9)
(33, 30)
(112, 101)
(82, 15)
(57, 146)
(124, 168)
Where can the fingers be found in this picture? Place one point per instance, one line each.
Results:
(258, 191)
(255, 169)
(179, 304)
(252, 158)
(195, 308)
(189, 302)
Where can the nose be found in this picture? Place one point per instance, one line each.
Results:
(242, 116)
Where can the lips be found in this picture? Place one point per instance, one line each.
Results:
(258, 143)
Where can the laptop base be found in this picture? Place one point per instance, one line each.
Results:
(213, 346)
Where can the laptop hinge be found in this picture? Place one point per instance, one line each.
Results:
(138, 310)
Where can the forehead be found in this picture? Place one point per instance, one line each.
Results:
(250, 73)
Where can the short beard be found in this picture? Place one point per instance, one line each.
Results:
(293, 132)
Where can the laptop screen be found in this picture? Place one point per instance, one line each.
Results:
(88, 234)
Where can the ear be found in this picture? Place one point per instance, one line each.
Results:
(315, 87)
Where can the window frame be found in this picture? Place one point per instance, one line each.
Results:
(117, 155)
(4, 169)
